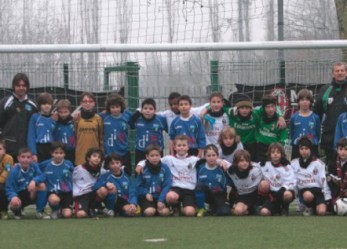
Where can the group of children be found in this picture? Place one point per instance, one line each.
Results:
(231, 158)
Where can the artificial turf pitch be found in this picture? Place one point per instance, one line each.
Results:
(177, 232)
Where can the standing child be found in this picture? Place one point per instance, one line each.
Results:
(279, 181)
(189, 125)
(65, 130)
(24, 186)
(6, 163)
(304, 122)
(116, 129)
(246, 179)
(268, 130)
(171, 114)
(310, 178)
(58, 179)
(153, 184)
(229, 143)
(211, 185)
(88, 127)
(41, 127)
(116, 189)
(84, 177)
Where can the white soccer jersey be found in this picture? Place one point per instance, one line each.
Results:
(278, 177)
(82, 181)
(249, 184)
(311, 177)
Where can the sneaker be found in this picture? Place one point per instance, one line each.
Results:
(4, 215)
(17, 214)
(108, 212)
(55, 214)
(201, 212)
(300, 208)
(307, 212)
(175, 211)
(42, 215)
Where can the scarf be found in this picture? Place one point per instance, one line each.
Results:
(305, 163)
(228, 150)
(93, 170)
(216, 114)
(64, 121)
(87, 114)
(268, 120)
(154, 169)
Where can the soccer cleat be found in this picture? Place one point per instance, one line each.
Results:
(307, 212)
(175, 211)
(18, 214)
(201, 212)
(300, 208)
(4, 215)
(42, 216)
(138, 211)
(55, 214)
(108, 212)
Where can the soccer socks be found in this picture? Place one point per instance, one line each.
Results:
(200, 199)
(41, 200)
(110, 201)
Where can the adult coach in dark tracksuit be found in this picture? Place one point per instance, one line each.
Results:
(15, 112)
(331, 101)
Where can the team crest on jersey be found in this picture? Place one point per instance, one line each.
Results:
(253, 177)
(28, 107)
(124, 126)
(190, 166)
(156, 127)
(218, 178)
(315, 172)
(192, 128)
(278, 177)
(125, 185)
(311, 125)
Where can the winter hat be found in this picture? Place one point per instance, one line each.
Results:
(243, 100)
(268, 99)
(305, 141)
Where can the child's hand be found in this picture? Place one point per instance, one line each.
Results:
(224, 164)
(281, 123)
(202, 113)
(55, 116)
(149, 197)
(161, 205)
(34, 157)
(32, 186)
(139, 170)
(111, 188)
(132, 209)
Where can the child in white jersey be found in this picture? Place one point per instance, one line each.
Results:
(229, 143)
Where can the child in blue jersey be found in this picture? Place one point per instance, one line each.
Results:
(116, 129)
(116, 189)
(304, 122)
(211, 185)
(58, 179)
(24, 186)
(149, 128)
(41, 127)
(84, 177)
(189, 125)
(153, 184)
(341, 129)
(64, 130)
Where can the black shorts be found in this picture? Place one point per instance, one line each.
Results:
(84, 202)
(250, 200)
(24, 197)
(66, 200)
(186, 196)
(126, 161)
(318, 196)
(144, 203)
(120, 203)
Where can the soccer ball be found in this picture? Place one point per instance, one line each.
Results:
(341, 206)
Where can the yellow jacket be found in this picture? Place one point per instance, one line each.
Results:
(5, 165)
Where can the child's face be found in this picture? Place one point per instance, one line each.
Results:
(275, 156)
(64, 113)
(216, 104)
(243, 164)
(174, 105)
(270, 110)
(87, 103)
(25, 159)
(184, 107)
(228, 141)
(148, 111)
(304, 151)
(115, 110)
(115, 166)
(58, 155)
(46, 108)
(95, 159)
(211, 157)
(153, 157)
(304, 104)
(244, 111)
(181, 147)
(2, 151)
(342, 152)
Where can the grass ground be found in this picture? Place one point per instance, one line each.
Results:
(177, 232)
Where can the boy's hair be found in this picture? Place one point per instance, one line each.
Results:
(269, 99)
(216, 94)
(18, 77)
(152, 147)
(342, 143)
(24, 150)
(57, 145)
(211, 147)
(174, 95)
(92, 151)
(149, 101)
(239, 154)
(305, 93)
(88, 94)
(3, 143)
(185, 97)
(114, 99)
(181, 138)
(228, 132)
(112, 157)
(44, 98)
(64, 103)
(305, 141)
(276, 146)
